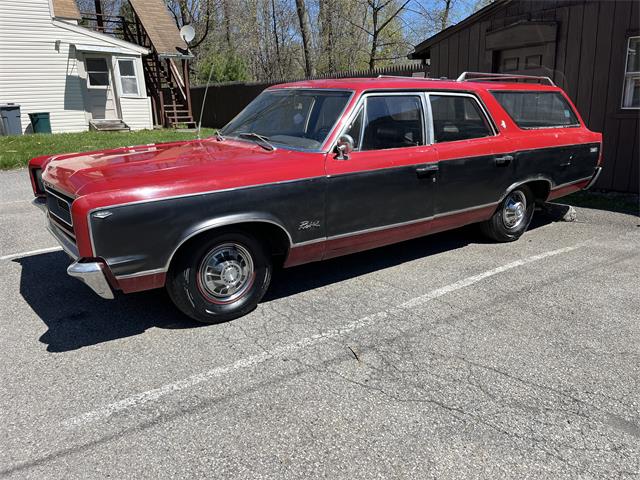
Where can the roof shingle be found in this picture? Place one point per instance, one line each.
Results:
(160, 27)
(66, 9)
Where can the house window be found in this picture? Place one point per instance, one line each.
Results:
(97, 72)
(128, 79)
(631, 93)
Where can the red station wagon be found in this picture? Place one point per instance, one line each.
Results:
(309, 171)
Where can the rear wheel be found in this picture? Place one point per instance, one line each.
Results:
(220, 278)
(513, 216)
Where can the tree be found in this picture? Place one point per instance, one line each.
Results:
(436, 15)
(342, 44)
(223, 67)
(196, 13)
(444, 16)
(275, 39)
(226, 16)
(326, 26)
(305, 32)
(383, 12)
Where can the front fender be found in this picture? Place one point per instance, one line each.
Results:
(229, 220)
(143, 237)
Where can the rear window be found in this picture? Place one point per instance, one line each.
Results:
(537, 109)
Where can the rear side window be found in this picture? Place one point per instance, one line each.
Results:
(457, 117)
(537, 109)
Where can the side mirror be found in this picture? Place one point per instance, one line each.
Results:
(344, 147)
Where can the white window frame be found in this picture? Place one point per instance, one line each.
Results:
(86, 67)
(135, 76)
(628, 89)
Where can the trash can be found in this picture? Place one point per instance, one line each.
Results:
(40, 122)
(10, 117)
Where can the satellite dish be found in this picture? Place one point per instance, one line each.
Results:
(187, 33)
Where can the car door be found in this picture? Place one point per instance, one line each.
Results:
(474, 169)
(384, 191)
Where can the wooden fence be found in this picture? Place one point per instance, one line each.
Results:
(225, 100)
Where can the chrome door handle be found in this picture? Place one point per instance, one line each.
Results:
(505, 160)
(427, 170)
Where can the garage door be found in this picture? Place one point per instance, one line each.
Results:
(533, 60)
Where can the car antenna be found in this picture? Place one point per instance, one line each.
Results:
(204, 100)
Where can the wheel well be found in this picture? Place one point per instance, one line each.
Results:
(275, 238)
(540, 189)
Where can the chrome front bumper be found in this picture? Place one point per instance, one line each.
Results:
(93, 275)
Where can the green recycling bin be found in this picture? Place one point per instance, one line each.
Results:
(40, 122)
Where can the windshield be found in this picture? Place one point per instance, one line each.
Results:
(291, 117)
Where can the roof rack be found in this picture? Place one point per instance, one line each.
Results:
(484, 77)
(405, 77)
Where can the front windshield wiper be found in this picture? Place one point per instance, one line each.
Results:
(260, 140)
(219, 136)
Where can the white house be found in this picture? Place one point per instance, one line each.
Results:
(49, 63)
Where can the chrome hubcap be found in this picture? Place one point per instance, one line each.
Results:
(226, 272)
(515, 209)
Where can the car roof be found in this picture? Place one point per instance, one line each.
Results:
(412, 83)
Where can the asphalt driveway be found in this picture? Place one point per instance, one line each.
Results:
(443, 357)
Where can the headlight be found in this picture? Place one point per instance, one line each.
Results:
(37, 177)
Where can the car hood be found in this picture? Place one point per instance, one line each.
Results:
(162, 169)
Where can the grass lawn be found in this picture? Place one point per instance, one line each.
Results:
(16, 151)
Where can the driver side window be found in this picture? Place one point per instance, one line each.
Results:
(392, 121)
(389, 121)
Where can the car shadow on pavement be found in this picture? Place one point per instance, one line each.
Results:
(77, 318)
(319, 274)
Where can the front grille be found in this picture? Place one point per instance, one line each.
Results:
(66, 239)
(59, 207)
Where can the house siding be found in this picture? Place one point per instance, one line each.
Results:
(40, 70)
(589, 65)
(33, 73)
(136, 112)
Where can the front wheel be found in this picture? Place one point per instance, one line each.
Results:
(513, 216)
(220, 278)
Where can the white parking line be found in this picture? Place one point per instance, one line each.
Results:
(143, 398)
(13, 256)
(15, 201)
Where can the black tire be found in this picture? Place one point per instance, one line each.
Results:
(197, 297)
(497, 227)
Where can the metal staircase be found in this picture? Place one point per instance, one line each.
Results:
(166, 71)
(167, 90)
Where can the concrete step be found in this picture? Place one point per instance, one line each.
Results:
(108, 126)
